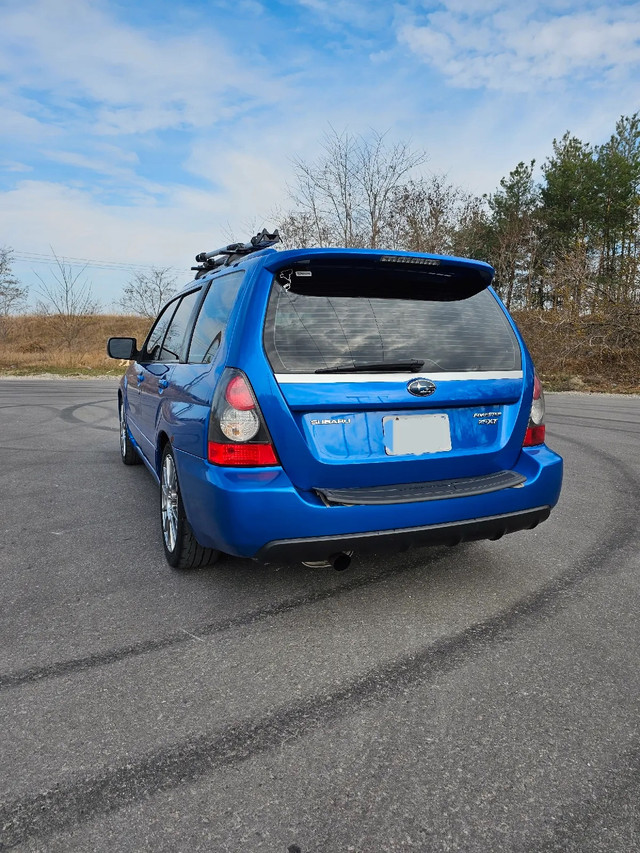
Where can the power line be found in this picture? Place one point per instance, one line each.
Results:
(122, 266)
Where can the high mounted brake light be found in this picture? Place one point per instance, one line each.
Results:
(410, 259)
(238, 435)
(536, 429)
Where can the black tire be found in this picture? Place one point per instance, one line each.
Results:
(181, 548)
(128, 452)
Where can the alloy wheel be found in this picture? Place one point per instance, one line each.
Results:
(123, 433)
(169, 486)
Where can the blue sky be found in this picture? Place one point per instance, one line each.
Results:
(142, 133)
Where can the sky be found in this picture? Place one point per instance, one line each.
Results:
(137, 134)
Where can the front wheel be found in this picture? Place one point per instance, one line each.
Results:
(181, 547)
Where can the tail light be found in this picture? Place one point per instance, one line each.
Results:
(238, 435)
(536, 428)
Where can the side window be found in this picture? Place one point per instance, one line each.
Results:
(151, 349)
(174, 341)
(214, 316)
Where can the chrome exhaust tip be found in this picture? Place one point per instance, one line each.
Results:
(339, 561)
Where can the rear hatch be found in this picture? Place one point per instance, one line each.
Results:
(392, 370)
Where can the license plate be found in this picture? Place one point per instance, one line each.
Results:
(416, 434)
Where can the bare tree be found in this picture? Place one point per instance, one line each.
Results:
(13, 297)
(146, 293)
(67, 300)
(433, 215)
(301, 229)
(345, 196)
(427, 215)
(573, 280)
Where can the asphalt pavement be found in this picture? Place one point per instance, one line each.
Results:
(478, 698)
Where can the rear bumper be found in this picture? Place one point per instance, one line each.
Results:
(452, 533)
(259, 513)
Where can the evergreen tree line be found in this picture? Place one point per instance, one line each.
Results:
(570, 242)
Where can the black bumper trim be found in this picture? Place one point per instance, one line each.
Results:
(399, 539)
(460, 487)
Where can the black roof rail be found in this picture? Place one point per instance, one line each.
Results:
(226, 255)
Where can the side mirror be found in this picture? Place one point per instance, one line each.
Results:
(122, 348)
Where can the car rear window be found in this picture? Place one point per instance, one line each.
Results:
(305, 332)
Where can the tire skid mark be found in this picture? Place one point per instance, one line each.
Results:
(67, 667)
(621, 413)
(39, 406)
(68, 414)
(73, 803)
(611, 421)
(92, 453)
(556, 420)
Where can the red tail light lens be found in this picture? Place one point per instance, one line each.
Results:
(537, 387)
(238, 434)
(238, 394)
(534, 436)
(535, 433)
(241, 454)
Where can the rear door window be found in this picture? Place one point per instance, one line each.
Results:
(306, 332)
(214, 316)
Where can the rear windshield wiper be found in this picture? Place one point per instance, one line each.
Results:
(373, 367)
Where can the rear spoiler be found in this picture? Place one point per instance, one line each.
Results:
(331, 272)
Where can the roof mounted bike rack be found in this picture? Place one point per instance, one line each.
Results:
(227, 255)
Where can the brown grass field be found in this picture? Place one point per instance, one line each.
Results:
(592, 353)
(598, 353)
(32, 344)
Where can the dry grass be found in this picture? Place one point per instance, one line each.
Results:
(597, 353)
(37, 344)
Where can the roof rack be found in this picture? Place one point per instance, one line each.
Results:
(227, 255)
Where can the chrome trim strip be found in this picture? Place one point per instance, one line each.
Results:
(352, 378)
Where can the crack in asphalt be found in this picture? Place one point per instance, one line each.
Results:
(76, 802)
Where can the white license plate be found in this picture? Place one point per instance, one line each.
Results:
(416, 434)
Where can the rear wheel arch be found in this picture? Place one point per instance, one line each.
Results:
(181, 548)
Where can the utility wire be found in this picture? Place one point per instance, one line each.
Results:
(40, 258)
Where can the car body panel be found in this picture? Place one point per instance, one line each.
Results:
(153, 383)
(240, 511)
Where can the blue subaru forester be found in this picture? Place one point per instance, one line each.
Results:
(308, 404)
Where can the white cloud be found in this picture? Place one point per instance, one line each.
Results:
(37, 215)
(15, 166)
(434, 46)
(142, 81)
(15, 118)
(93, 93)
(519, 48)
(357, 12)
